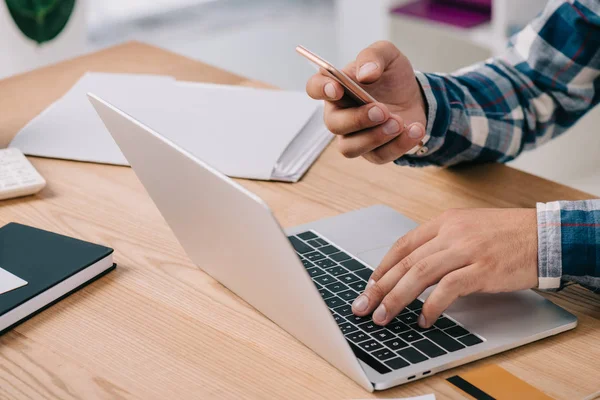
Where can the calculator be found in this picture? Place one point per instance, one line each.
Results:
(17, 176)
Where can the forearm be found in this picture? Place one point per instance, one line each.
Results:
(541, 86)
(569, 243)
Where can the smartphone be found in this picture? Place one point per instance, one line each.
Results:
(353, 89)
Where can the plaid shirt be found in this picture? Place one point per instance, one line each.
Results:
(545, 81)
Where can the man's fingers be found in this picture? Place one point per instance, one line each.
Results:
(321, 87)
(456, 284)
(357, 144)
(398, 147)
(372, 61)
(342, 121)
(424, 273)
(376, 291)
(406, 245)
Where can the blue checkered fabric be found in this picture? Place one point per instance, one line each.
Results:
(546, 80)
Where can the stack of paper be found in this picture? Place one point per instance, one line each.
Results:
(243, 132)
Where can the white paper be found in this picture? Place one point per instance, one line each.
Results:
(425, 397)
(70, 128)
(238, 130)
(9, 281)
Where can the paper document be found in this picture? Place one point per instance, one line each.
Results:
(70, 128)
(9, 281)
(241, 131)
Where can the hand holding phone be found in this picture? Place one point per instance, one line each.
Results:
(372, 123)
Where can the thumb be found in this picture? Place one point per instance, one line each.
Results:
(372, 61)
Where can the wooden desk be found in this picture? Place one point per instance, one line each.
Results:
(158, 327)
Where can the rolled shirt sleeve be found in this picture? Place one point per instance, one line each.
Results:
(569, 243)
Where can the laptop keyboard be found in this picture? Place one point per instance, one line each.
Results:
(340, 278)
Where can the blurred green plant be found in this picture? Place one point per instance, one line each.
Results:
(41, 20)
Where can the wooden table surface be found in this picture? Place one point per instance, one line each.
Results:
(159, 327)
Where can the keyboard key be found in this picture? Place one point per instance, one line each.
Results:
(397, 327)
(339, 319)
(411, 355)
(307, 236)
(344, 310)
(326, 263)
(329, 249)
(408, 318)
(457, 331)
(470, 340)
(322, 242)
(415, 305)
(299, 245)
(348, 328)
(358, 320)
(370, 327)
(383, 335)
(364, 273)
(307, 264)
(369, 359)
(443, 340)
(337, 271)
(352, 265)
(384, 354)
(410, 336)
(334, 301)
(370, 345)
(348, 295)
(349, 278)
(396, 363)
(341, 256)
(337, 287)
(359, 286)
(429, 348)
(314, 272)
(405, 311)
(358, 336)
(417, 328)
(324, 280)
(444, 323)
(325, 294)
(395, 344)
(314, 256)
(314, 243)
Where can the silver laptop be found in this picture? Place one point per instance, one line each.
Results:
(306, 278)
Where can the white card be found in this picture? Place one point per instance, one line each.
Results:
(9, 281)
(425, 397)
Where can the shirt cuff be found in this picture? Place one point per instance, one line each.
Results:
(438, 120)
(549, 246)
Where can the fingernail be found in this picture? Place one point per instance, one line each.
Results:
(376, 114)
(391, 127)
(422, 321)
(415, 132)
(329, 90)
(380, 314)
(370, 283)
(366, 69)
(360, 304)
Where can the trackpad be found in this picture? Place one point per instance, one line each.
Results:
(373, 257)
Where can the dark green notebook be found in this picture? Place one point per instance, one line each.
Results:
(53, 266)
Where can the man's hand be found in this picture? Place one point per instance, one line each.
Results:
(463, 251)
(375, 131)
